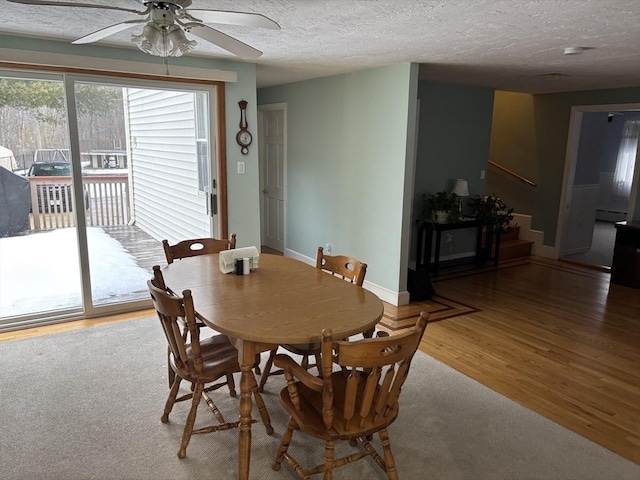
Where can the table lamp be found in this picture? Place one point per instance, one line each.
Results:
(461, 189)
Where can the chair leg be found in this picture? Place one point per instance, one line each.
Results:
(262, 408)
(212, 406)
(329, 449)
(231, 384)
(168, 406)
(191, 419)
(284, 444)
(304, 363)
(171, 374)
(267, 369)
(392, 473)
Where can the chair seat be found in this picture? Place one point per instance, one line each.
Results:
(219, 357)
(309, 416)
(213, 368)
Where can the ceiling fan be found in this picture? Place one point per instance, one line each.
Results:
(165, 24)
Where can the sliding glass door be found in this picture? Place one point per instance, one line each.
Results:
(137, 167)
(39, 262)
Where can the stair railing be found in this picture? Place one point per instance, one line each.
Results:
(513, 174)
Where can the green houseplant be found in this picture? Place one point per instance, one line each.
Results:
(440, 207)
(492, 211)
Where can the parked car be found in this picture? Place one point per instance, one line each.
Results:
(58, 198)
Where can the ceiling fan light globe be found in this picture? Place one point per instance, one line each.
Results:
(150, 37)
(179, 42)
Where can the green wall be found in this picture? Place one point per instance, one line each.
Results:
(348, 156)
(243, 190)
(540, 157)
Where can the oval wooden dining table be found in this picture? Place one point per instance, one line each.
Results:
(282, 301)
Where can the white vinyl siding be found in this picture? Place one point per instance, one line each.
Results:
(167, 200)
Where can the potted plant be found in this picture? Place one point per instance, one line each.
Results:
(492, 211)
(440, 207)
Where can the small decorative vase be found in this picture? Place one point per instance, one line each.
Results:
(442, 216)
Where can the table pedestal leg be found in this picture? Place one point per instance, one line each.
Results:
(244, 446)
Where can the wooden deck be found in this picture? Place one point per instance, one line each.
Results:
(146, 250)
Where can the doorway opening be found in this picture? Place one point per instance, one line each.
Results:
(591, 202)
(272, 120)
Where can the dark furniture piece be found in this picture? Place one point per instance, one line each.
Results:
(483, 252)
(625, 268)
(15, 200)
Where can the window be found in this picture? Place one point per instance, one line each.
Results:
(623, 176)
(202, 142)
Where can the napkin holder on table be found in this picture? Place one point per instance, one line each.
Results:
(228, 258)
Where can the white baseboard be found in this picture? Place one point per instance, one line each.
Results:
(546, 251)
(384, 294)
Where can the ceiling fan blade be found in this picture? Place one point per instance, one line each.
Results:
(105, 32)
(73, 4)
(222, 40)
(233, 18)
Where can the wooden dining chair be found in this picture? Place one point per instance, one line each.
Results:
(199, 362)
(346, 268)
(197, 246)
(353, 403)
(191, 248)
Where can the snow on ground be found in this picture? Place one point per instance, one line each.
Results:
(41, 271)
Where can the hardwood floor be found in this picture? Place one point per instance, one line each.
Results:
(552, 336)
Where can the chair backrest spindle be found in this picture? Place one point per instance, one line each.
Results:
(172, 310)
(376, 369)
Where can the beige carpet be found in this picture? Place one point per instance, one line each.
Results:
(86, 405)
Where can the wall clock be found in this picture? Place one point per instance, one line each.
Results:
(243, 137)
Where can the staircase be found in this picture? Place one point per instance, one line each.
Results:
(512, 247)
(521, 241)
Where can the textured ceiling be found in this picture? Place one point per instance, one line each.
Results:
(505, 44)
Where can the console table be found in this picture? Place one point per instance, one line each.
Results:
(425, 242)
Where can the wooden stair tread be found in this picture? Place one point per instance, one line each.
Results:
(517, 248)
(517, 241)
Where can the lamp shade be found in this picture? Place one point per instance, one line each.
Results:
(461, 188)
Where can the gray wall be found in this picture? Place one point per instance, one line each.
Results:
(453, 142)
(349, 152)
(593, 135)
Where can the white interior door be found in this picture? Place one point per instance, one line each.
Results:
(272, 164)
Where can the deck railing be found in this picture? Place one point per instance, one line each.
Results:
(106, 196)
